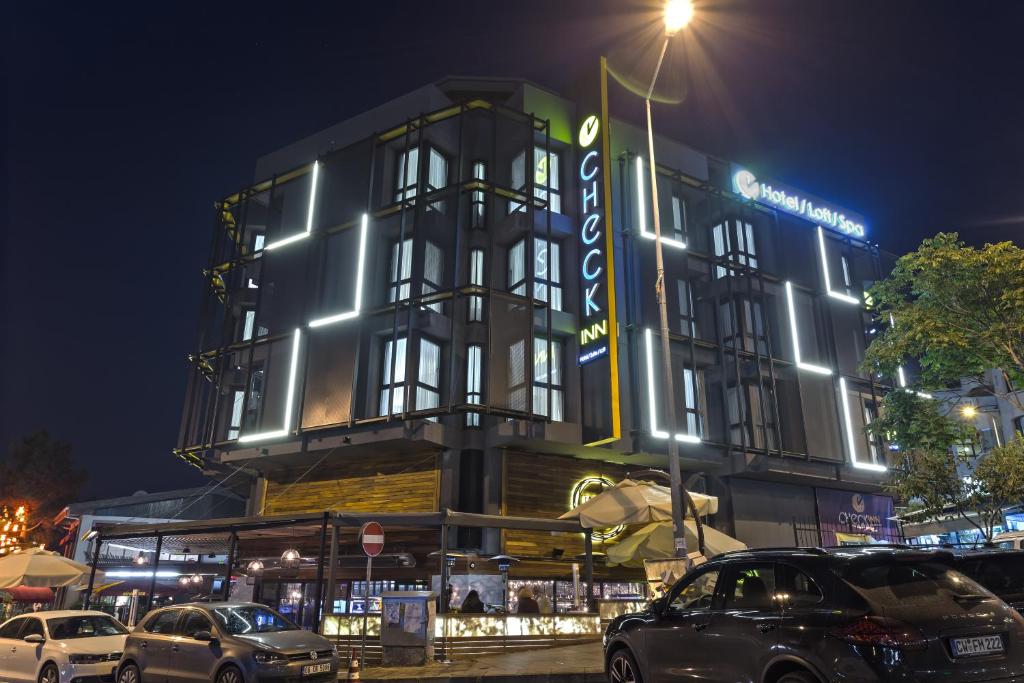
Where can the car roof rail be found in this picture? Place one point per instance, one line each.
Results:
(817, 550)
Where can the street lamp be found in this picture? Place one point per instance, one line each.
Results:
(676, 16)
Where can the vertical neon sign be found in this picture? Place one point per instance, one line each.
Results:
(594, 328)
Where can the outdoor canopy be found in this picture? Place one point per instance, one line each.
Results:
(40, 568)
(655, 542)
(634, 502)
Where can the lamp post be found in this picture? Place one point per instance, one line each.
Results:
(677, 15)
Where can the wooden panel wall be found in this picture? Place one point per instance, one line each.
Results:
(540, 486)
(386, 483)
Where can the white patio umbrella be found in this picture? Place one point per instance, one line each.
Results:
(654, 542)
(39, 568)
(634, 502)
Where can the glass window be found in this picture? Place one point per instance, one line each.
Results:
(517, 268)
(684, 298)
(545, 179)
(85, 626)
(429, 376)
(518, 181)
(33, 627)
(163, 622)
(699, 594)
(406, 172)
(678, 218)
(547, 271)
(433, 267)
(251, 619)
(547, 375)
(437, 176)
(891, 582)
(760, 404)
(752, 587)
(797, 588)
(392, 392)
(693, 394)
(734, 240)
(748, 315)
(476, 277)
(401, 271)
(195, 621)
(478, 200)
(237, 406)
(474, 382)
(247, 326)
(11, 628)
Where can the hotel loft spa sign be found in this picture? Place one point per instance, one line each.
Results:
(594, 341)
(796, 202)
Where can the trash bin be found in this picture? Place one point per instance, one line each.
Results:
(407, 627)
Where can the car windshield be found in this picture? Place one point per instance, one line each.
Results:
(249, 619)
(891, 581)
(86, 626)
(1001, 574)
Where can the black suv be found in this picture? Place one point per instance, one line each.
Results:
(815, 615)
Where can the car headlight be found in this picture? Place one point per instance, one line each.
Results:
(267, 657)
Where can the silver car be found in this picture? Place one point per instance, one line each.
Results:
(224, 642)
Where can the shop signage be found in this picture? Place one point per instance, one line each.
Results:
(849, 512)
(796, 203)
(584, 490)
(592, 243)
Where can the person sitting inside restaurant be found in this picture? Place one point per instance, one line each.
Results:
(472, 604)
(527, 605)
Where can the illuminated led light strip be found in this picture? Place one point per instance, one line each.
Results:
(685, 438)
(642, 209)
(289, 400)
(828, 279)
(348, 315)
(850, 440)
(309, 215)
(821, 370)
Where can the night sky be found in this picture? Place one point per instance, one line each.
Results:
(123, 126)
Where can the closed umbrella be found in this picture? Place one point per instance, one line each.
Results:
(40, 568)
(654, 542)
(634, 502)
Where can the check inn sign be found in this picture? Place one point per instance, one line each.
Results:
(594, 276)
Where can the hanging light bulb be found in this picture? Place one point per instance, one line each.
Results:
(290, 558)
(140, 559)
(183, 580)
(254, 568)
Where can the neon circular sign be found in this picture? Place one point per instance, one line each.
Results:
(584, 490)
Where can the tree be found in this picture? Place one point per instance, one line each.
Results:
(942, 475)
(957, 310)
(38, 472)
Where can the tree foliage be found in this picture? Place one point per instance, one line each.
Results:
(942, 475)
(39, 472)
(958, 310)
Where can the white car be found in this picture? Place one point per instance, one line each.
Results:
(60, 647)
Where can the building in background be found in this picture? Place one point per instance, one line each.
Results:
(447, 302)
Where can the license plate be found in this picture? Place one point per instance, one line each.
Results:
(977, 646)
(311, 669)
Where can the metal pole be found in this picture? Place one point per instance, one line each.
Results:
(92, 572)
(156, 565)
(366, 610)
(588, 566)
(318, 606)
(676, 488)
(332, 575)
(232, 549)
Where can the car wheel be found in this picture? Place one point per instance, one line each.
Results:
(623, 669)
(797, 677)
(230, 674)
(49, 674)
(129, 673)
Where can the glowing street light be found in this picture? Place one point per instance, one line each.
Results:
(969, 412)
(677, 15)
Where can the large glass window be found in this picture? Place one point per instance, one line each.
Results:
(749, 315)
(428, 379)
(407, 174)
(478, 200)
(476, 277)
(547, 374)
(400, 280)
(734, 240)
(237, 408)
(547, 274)
(693, 395)
(545, 179)
(474, 381)
(428, 376)
(687, 317)
(678, 219)
(752, 417)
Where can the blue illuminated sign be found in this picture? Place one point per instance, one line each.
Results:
(796, 203)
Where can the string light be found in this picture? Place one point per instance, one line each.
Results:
(14, 529)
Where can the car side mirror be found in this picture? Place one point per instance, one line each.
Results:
(34, 638)
(658, 606)
(203, 635)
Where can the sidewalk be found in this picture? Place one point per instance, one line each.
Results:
(568, 664)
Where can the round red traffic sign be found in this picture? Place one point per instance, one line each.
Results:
(372, 538)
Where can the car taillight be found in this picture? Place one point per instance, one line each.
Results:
(881, 632)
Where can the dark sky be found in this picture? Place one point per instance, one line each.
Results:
(124, 125)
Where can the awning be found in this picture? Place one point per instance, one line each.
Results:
(30, 593)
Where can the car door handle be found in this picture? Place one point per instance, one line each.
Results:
(766, 627)
(143, 644)
(700, 626)
(174, 648)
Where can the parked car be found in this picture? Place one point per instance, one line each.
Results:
(815, 615)
(60, 647)
(224, 642)
(1000, 571)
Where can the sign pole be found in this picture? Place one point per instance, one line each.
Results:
(366, 610)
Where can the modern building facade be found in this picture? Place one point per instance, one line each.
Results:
(448, 302)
